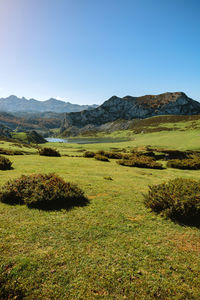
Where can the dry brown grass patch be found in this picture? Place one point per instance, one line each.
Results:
(186, 242)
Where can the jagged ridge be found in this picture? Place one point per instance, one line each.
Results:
(15, 104)
(128, 108)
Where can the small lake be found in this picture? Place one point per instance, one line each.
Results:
(87, 140)
(56, 140)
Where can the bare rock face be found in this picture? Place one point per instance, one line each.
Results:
(128, 108)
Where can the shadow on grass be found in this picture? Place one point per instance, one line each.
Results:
(10, 290)
(7, 169)
(195, 222)
(60, 204)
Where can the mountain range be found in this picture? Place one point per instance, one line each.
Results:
(14, 104)
(128, 108)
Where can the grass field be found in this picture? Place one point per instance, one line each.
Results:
(113, 248)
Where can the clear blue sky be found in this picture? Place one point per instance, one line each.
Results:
(85, 51)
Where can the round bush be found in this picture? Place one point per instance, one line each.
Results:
(49, 152)
(46, 191)
(178, 199)
(5, 163)
(89, 154)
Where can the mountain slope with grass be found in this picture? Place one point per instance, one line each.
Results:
(129, 108)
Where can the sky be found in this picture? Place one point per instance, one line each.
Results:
(85, 51)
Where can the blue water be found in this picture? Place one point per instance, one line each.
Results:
(56, 140)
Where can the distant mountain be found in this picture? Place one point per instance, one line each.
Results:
(14, 104)
(128, 108)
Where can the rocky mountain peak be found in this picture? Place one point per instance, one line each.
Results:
(128, 108)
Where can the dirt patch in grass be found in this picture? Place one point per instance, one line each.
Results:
(185, 242)
(138, 218)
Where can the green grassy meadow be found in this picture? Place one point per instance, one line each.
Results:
(113, 248)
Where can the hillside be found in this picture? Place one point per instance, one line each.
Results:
(5, 131)
(15, 104)
(31, 121)
(129, 108)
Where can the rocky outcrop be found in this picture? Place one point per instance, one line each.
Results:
(129, 108)
(35, 138)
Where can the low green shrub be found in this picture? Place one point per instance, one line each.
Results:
(175, 154)
(185, 164)
(114, 149)
(108, 178)
(5, 163)
(150, 154)
(45, 191)
(6, 151)
(101, 157)
(127, 156)
(178, 199)
(89, 154)
(114, 155)
(49, 152)
(11, 152)
(101, 152)
(140, 162)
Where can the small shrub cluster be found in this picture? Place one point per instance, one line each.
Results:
(113, 155)
(140, 162)
(5, 163)
(127, 156)
(175, 154)
(89, 154)
(101, 157)
(11, 152)
(49, 152)
(6, 151)
(108, 178)
(178, 199)
(101, 152)
(80, 150)
(150, 130)
(114, 149)
(45, 191)
(185, 164)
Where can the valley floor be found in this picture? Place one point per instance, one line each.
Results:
(113, 248)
